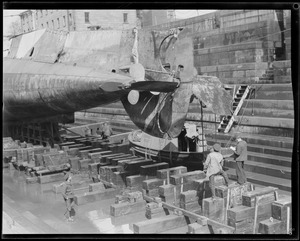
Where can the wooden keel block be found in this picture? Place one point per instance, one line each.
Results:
(152, 183)
(151, 193)
(97, 155)
(163, 173)
(134, 166)
(217, 227)
(74, 163)
(104, 158)
(30, 180)
(84, 164)
(84, 154)
(279, 208)
(119, 178)
(51, 178)
(186, 177)
(157, 225)
(165, 190)
(99, 186)
(196, 228)
(268, 193)
(135, 180)
(121, 209)
(191, 206)
(272, 226)
(213, 209)
(150, 170)
(189, 196)
(88, 197)
(109, 170)
(113, 160)
(73, 151)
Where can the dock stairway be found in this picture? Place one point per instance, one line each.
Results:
(239, 98)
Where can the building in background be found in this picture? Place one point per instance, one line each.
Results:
(156, 17)
(78, 20)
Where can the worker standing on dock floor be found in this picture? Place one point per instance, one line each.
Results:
(213, 166)
(240, 156)
(68, 196)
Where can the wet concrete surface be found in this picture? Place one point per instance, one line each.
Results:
(38, 210)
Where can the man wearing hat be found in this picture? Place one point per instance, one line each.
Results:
(240, 156)
(213, 167)
(68, 196)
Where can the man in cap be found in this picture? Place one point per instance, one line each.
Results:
(213, 166)
(68, 195)
(240, 156)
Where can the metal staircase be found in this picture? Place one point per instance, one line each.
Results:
(240, 96)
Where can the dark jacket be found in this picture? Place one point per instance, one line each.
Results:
(240, 153)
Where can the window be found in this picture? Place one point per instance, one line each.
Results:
(64, 21)
(58, 25)
(125, 17)
(87, 17)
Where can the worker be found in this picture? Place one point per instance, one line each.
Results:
(106, 131)
(68, 195)
(87, 131)
(240, 156)
(213, 166)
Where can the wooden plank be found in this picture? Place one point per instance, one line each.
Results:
(89, 197)
(97, 155)
(186, 177)
(157, 225)
(51, 178)
(200, 218)
(121, 209)
(151, 170)
(134, 166)
(163, 173)
(103, 157)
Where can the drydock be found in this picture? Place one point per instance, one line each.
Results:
(117, 192)
(123, 186)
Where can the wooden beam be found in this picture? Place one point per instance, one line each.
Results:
(200, 219)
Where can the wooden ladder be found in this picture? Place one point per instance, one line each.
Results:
(239, 98)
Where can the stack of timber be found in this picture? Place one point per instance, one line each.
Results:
(127, 202)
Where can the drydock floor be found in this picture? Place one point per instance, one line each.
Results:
(36, 209)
